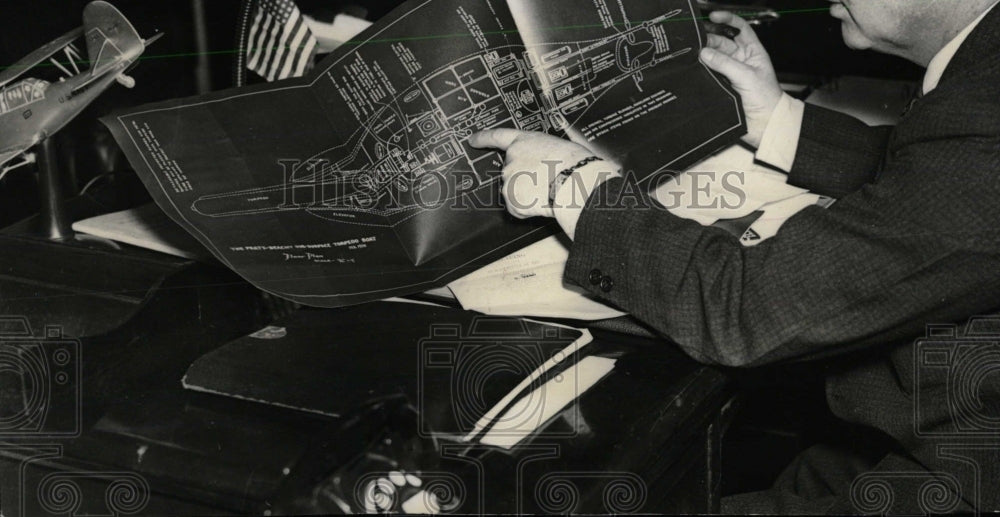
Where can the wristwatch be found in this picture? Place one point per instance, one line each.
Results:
(565, 174)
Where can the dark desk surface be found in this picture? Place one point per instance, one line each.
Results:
(645, 438)
(131, 439)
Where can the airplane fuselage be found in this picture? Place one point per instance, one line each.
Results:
(32, 110)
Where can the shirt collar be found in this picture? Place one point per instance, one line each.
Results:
(937, 66)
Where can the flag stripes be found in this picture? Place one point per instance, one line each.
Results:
(280, 42)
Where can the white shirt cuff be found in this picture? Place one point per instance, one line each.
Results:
(781, 136)
(573, 194)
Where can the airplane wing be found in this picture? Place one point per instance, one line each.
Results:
(6, 156)
(14, 71)
(112, 42)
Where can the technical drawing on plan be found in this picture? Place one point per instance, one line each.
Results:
(417, 142)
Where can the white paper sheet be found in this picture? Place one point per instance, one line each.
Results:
(530, 283)
(147, 227)
(574, 347)
(533, 410)
(329, 36)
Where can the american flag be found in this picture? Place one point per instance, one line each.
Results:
(281, 44)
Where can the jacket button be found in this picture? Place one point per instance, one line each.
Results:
(607, 284)
(596, 276)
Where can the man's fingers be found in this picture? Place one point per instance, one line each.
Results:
(500, 138)
(747, 36)
(722, 44)
(512, 197)
(736, 71)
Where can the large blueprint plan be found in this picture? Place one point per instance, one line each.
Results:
(356, 182)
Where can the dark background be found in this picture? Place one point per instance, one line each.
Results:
(802, 43)
(805, 45)
(166, 71)
(806, 48)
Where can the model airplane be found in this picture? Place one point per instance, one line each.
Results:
(32, 109)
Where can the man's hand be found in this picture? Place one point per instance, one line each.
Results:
(533, 160)
(747, 65)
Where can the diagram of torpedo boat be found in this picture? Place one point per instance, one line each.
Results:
(417, 143)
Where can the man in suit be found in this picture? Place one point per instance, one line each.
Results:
(913, 240)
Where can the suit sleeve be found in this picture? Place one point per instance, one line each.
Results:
(837, 153)
(877, 266)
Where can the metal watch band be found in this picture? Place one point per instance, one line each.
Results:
(565, 174)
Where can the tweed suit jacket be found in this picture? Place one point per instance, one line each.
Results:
(914, 240)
